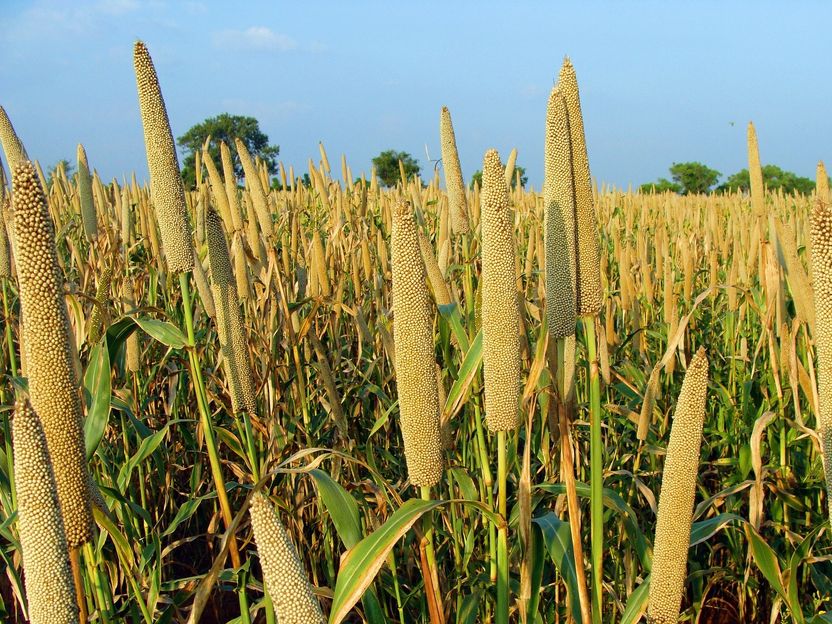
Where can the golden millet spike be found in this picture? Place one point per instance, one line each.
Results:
(232, 195)
(52, 380)
(821, 226)
(255, 188)
(822, 183)
(500, 309)
(559, 220)
(681, 466)
(453, 173)
(229, 319)
(415, 363)
(755, 173)
(166, 188)
(12, 146)
(49, 586)
(88, 215)
(587, 268)
(283, 573)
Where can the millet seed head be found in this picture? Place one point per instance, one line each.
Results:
(229, 319)
(283, 573)
(821, 230)
(255, 188)
(589, 295)
(52, 380)
(415, 363)
(49, 587)
(500, 309)
(12, 146)
(88, 216)
(166, 188)
(453, 173)
(681, 466)
(559, 220)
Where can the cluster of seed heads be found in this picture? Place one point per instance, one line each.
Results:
(681, 466)
(415, 363)
(500, 309)
(52, 380)
(821, 225)
(166, 188)
(453, 173)
(283, 573)
(233, 343)
(587, 267)
(49, 586)
(559, 220)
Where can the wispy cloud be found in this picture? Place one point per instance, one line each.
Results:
(116, 7)
(255, 38)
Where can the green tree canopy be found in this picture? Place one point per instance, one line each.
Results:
(387, 166)
(477, 177)
(773, 177)
(694, 177)
(687, 178)
(662, 185)
(225, 127)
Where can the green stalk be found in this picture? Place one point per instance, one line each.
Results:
(9, 338)
(596, 469)
(201, 397)
(501, 615)
(96, 581)
(427, 527)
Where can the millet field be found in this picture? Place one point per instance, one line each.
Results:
(330, 399)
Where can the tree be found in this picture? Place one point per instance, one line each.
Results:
(662, 185)
(773, 178)
(387, 166)
(694, 177)
(68, 168)
(225, 127)
(477, 177)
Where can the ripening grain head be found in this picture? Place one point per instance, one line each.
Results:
(52, 381)
(88, 216)
(559, 220)
(822, 270)
(166, 188)
(283, 573)
(12, 146)
(415, 363)
(500, 310)
(49, 587)
(681, 466)
(588, 268)
(453, 173)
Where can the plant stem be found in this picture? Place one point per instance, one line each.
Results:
(201, 397)
(501, 615)
(427, 527)
(596, 469)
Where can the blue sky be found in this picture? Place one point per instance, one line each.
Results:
(661, 81)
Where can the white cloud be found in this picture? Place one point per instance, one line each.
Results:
(255, 38)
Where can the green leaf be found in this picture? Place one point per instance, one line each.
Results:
(636, 603)
(703, 530)
(536, 544)
(97, 393)
(557, 536)
(185, 511)
(450, 312)
(456, 395)
(166, 333)
(341, 506)
(766, 560)
(613, 501)
(118, 332)
(361, 563)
